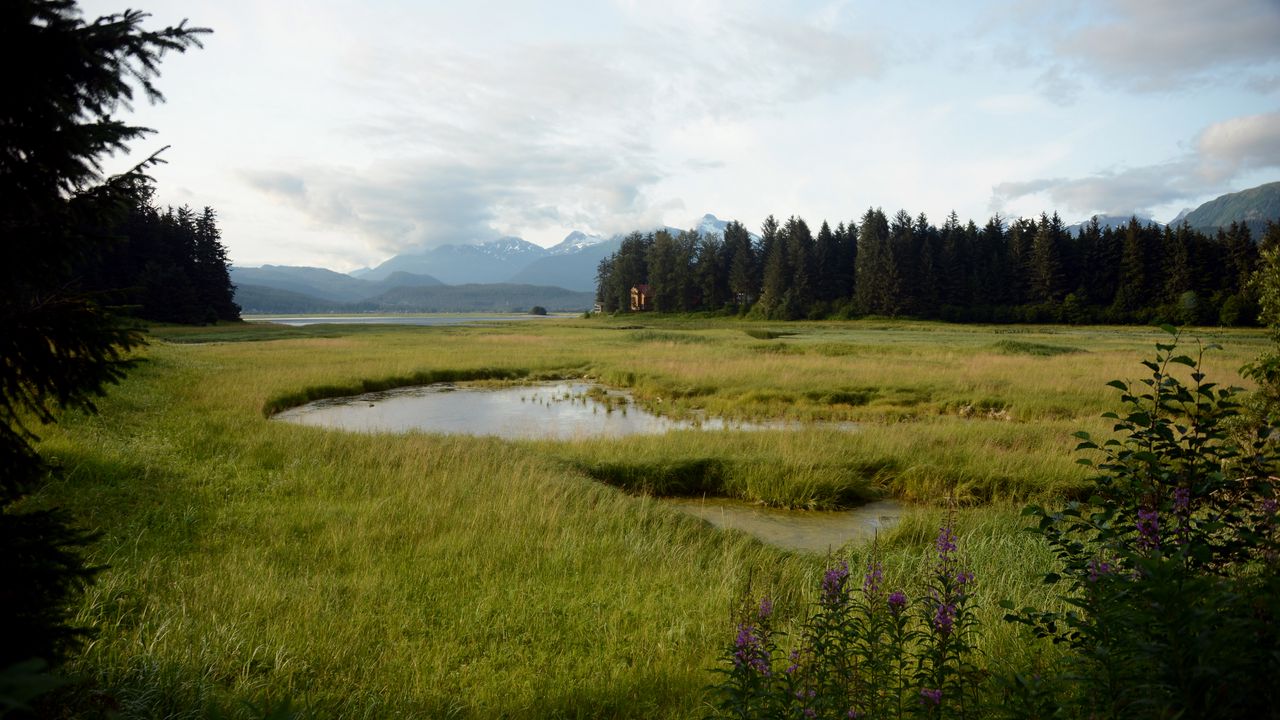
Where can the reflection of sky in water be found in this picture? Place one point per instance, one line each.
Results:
(811, 531)
(559, 411)
(392, 320)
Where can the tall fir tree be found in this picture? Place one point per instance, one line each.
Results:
(1046, 281)
(801, 294)
(877, 279)
(743, 284)
(826, 263)
(61, 346)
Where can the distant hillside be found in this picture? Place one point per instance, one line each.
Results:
(260, 300)
(575, 271)
(1254, 207)
(316, 282)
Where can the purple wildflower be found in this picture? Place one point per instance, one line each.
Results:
(897, 602)
(749, 652)
(833, 584)
(1098, 568)
(964, 577)
(810, 712)
(766, 608)
(946, 543)
(1182, 508)
(795, 662)
(944, 618)
(871, 583)
(1148, 529)
(930, 696)
(853, 714)
(1269, 506)
(1181, 498)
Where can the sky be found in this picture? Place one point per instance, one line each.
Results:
(338, 134)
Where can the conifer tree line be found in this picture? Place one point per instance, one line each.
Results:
(166, 266)
(1019, 270)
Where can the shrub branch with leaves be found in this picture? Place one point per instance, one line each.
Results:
(1170, 568)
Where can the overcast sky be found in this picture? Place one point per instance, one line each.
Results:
(338, 134)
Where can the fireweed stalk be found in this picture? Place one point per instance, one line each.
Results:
(866, 651)
(944, 672)
(749, 686)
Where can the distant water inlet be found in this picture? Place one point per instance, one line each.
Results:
(543, 411)
(816, 531)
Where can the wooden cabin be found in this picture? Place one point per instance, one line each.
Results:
(640, 298)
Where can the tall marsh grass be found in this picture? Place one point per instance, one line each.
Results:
(371, 576)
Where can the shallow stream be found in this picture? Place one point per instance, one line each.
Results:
(816, 531)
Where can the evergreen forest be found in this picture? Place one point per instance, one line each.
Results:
(1021, 270)
(166, 266)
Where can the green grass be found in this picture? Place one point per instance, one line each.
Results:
(431, 576)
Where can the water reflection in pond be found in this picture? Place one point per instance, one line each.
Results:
(545, 411)
(806, 530)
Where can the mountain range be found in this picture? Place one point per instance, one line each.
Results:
(501, 275)
(513, 274)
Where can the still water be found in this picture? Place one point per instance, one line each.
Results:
(814, 531)
(431, 320)
(569, 410)
(544, 411)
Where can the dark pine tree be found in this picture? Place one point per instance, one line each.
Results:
(926, 242)
(952, 267)
(903, 254)
(712, 273)
(826, 254)
(60, 345)
(846, 237)
(802, 292)
(212, 276)
(878, 284)
(1136, 285)
(664, 277)
(1046, 274)
(744, 286)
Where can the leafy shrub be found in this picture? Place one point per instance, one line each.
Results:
(1171, 566)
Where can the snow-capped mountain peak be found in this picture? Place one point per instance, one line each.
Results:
(710, 224)
(575, 241)
(509, 247)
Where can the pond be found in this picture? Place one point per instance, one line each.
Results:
(563, 410)
(567, 410)
(813, 531)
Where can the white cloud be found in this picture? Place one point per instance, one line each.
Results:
(476, 142)
(1167, 44)
(1243, 143)
(1223, 151)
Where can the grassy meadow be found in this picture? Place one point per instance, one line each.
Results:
(417, 575)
